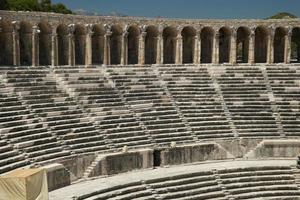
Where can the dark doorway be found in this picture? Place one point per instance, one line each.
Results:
(156, 158)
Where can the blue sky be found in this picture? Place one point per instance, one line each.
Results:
(188, 8)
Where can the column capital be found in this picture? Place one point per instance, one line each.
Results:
(125, 33)
(35, 29)
(233, 30)
(271, 31)
(89, 28)
(143, 34)
(71, 29)
(108, 33)
(289, 32)
(16, 26)
(179, 36)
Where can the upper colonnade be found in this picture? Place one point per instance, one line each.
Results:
(33, 39)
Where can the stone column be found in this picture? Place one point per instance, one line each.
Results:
(106, 59)
(124, 48)
(16, 43)
(71, 45)
(287, 47)
(215, 54)
(160, 49)
(270, 50)
(54, 50)
(251, 47)
(35, 45)
(233, 47)
(197, 48)
(142, 47)
(179, 49)
(88, 46)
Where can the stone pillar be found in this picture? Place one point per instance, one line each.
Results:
(270, 50)
(106, 59)
(142, 47)
(233, 47)
(88, 46)
(215, 54)
(287, 47)
(197, 48)
(71, 45)
(54, 50)
(160, 49)
(35, 45)
(124, 48)
(16, 43)
(179, 49)
(251, 47)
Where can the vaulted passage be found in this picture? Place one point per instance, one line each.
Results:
(98, 44)
(169, 37)
(6, 44)
(80, 43)
(188, 39)
(261, 45)
(295, 54)
(133, 45)
(242, 45)
(116, 45)
(224, 45)
(279, 45)
(151, 45)
(45, 44)
(207, 36)
(25, 44)
(62, 44)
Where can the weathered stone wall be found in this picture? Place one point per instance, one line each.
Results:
(56, 39)
(193, 153)
(57, 176)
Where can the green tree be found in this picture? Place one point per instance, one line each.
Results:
(26, 5)
(36, 5)
(283, 15)
(61, 8)
(3, 5)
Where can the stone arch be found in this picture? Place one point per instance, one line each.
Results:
(25, 43)
(279, 44)
(151, 45)
(6, 43)
(261, 45)
(80, 44)
(62, 44)
(133, 45)
(207, 36)
(295, 46)
(224, 44)
(98, 44)
(242, 45)
(188, 43)
(116, 44)
(45, 43)
(169, 38)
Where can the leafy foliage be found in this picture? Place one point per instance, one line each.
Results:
(283, 15)
(34, 5)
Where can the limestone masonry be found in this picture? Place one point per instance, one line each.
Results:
(55, 39)
(112, 98)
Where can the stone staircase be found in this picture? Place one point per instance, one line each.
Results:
(165, 88)
(296, 172)
(219, 181)
(144, 128)
(274, 107)
(212, 72)
(90, 170)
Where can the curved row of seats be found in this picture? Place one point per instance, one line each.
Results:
(269, 182)
(47, 114)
